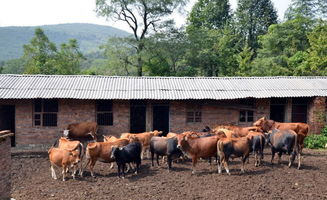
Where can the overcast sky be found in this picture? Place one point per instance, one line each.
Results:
(41, 12)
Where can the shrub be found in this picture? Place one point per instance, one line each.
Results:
(316, 141)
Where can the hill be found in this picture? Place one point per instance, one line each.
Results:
(89, 36)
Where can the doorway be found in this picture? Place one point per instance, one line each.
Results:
(7, 120)
(277, 109)
(299, 109)
(161, 117)
(137, 116)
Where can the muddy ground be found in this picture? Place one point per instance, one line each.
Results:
(31, 179)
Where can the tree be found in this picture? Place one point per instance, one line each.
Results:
(281, 48)
(315, 58)
(309, 9)
(253, 19)
(40, 54)
(13, 66)
(69, 58)
(209, 14)
(140, 15)
(165, 53)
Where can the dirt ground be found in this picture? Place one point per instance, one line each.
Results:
(31, 179)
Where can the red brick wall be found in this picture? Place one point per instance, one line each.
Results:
(5, 168)
(213, 113)
(317, 114)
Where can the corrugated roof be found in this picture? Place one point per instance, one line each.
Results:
(160, 88)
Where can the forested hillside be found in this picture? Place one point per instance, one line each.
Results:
(89, 36)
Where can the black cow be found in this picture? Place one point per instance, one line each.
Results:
(257, 145)
(130, 153)
(283, 141)
(162, 146)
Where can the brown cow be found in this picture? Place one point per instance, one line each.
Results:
(65, 159)
(101, 151)
(74, 145)
(239, 131)
(171, 135)
(238, 147)
(82, 130)
(195, 147)
(301, 129)
(144, 139)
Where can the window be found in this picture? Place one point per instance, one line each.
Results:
(45, 112)
(246, 116)
(104, 112)
(193, 113)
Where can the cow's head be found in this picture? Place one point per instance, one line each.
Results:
(66, 133)
(259, 122)
(113, 152)
(157, 133)
(74, 157)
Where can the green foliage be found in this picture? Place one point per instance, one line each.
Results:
(14, 66)
(69, 58)
(141, 16)
(314, 61)
(307, 8)
(316, 141)
(40, 54)
(253, 19)
(209, 14)
(42, 57)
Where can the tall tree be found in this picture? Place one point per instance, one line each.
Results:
(140, 15)
(253, 19)
(209, 14)
(40, 54)
(307, 8)
(282, 48)
(315, 58)
(69, 58)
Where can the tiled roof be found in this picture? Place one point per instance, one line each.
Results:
(160, 88)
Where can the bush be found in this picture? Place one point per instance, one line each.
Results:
(316, 141)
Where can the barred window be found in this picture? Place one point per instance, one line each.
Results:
(45, 112)
(193, 113)
(104, 112)
(246, 116)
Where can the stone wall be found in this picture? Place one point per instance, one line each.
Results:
(5, 168)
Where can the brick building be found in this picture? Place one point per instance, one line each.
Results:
(39, 107)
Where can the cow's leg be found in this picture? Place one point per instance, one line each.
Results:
(74, 171)
(279, 157)
(272, 155)
(118, 166)
(169, 161)
(158, 160)
(53, 172)
(256, 159)
(194, 161)
(226, 165)
(152, 157)
(299, 160)
(92, 166)
(142, 152)
(111, 165)
(64, 171)
(219, 165)
(123, 169)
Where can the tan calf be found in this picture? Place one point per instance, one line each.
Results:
(65, 159)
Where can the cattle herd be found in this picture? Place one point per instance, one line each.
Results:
(220, 142)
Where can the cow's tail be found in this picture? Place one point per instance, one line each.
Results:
(81, 150)
(262, 143)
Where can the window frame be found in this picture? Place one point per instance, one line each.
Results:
(42, 113)
(101, 112)
(246, 116)
(195, 111)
